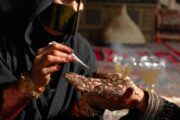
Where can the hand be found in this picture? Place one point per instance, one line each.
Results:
(63, 1)
(111, 91)
(47, 61)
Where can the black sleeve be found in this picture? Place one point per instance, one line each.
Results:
(168, 110)
(5, 5)
(157, 109)
(86, 54)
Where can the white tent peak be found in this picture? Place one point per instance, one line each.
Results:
(122, 29)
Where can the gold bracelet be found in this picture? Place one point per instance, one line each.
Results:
(27, 86)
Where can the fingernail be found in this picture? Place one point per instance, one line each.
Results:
(130, 90)
(70, 58)
(58, 67)
(71, 50)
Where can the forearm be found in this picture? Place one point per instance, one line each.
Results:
(17, 96)
(13, 102)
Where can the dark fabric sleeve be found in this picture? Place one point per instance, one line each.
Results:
(6, 5)
(5, 76)
(87, 55)
(157, 109)
(168, 110)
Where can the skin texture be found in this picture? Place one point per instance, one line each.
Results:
(111, 91)
(47, 61)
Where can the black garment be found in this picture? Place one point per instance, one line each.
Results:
(20, 37)
(157, 109)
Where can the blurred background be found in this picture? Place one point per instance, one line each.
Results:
(138, 37)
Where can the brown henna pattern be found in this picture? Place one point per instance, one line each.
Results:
(103, 84)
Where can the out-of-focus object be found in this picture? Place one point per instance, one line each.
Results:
(170, 4)
(124, 65)
(164, 2)
(99, 14)
(168, 22)
(122, 29)
(174, 47)
(148, 68)
(151, 67)
(152, 62)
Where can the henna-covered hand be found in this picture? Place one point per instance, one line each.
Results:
(107, 90)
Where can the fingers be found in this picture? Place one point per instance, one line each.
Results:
(84, 84)
(55, 46)
(47, 62)
(106, 90)
(41, 75)
(128, 93)
(55, 49)
(102, 87)
(54, 53)
(111, 76)
(106, 93)
(50, 70)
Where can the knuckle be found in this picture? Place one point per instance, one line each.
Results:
(54, 52)
(36, 58)
(64, 59)
(42, 72)
(55, 45)
(46, 81)
(39, 51)
(49, 58)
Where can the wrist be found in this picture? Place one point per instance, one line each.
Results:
(141, 107)
(83, 109)
(27, 86)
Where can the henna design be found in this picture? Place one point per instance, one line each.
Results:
(102, 84)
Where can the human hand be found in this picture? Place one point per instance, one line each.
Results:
(48, 61)
(64, 1)
(111, 91)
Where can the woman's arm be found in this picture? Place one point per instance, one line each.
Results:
(16, 96)
(13, 102)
